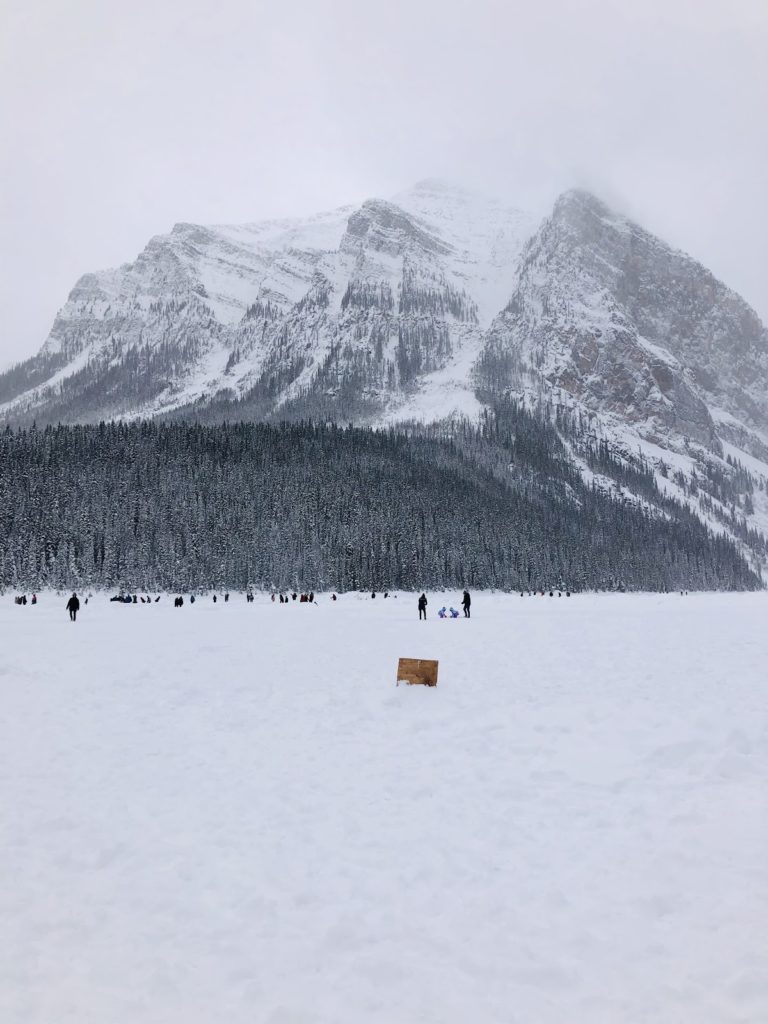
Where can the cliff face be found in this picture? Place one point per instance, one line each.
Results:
(356, 306)
(428, 306)
(632, 328)
(383, 310)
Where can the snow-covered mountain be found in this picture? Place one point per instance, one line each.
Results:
(427, 305)
(617, 319)
(354, 307)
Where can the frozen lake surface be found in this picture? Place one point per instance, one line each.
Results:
(229, 813)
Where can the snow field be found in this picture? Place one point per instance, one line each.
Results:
(230, 813)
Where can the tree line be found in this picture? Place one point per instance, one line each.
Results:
(181, 506)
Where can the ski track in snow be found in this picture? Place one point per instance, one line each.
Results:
(230, 812)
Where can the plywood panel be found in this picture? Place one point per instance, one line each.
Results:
(417, 670)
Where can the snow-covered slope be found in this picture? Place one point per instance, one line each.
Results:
(360, 303)
(426, 306)
(620, 320)
(610, 327)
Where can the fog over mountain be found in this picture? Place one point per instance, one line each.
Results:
(118, 121)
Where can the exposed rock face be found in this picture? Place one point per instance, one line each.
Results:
(401, 308)
(426, 306)
(630, 327)
(343, 314)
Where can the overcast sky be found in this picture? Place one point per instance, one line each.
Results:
(119, 119)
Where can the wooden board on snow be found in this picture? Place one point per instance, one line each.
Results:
(417, 670)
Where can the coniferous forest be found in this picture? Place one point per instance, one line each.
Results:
(180, 506)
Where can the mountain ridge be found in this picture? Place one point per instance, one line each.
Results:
(424, 306)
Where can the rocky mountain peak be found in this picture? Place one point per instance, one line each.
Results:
(421, 305)
(384, 227)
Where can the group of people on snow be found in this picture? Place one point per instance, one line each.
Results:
(466, 604)
(73, 604)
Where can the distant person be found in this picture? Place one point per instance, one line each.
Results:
(311, 597)
(226, 598)
(191, 598)
(214, 599)
(466, 601)
(73, 607)
(423, 607)
(34, 599)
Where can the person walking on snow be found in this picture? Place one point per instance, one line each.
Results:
(465, 603)
(73, 607)
(423, 607)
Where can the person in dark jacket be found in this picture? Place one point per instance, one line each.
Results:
(73, 607)
(423, 607)
(466, 601)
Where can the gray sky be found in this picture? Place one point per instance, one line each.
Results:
(118, 119)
